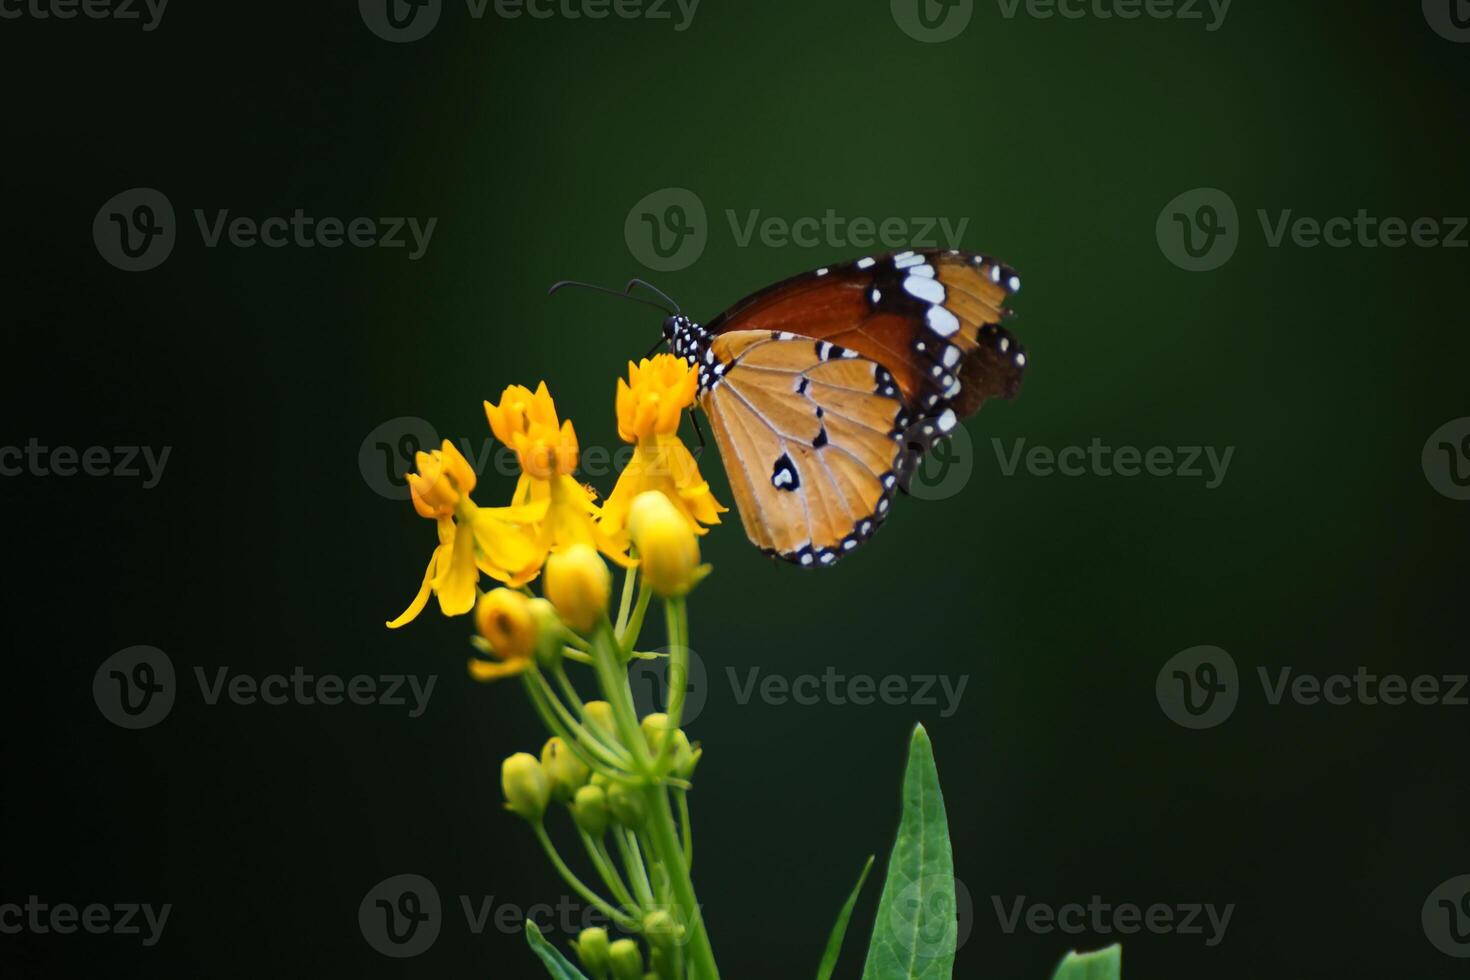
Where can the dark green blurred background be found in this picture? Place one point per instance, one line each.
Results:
(1060, 599)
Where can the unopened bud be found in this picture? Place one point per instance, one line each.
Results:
(526, 787)
(589, 810)
(565, 771)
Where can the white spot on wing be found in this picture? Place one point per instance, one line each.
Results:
(865, 262)
(921, 287)
(948, 420)
(941, 320)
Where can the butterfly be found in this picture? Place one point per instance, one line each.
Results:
(824, 391)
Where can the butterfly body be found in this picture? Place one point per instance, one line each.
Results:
(824, 391)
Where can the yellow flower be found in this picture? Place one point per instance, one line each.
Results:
(668, 551)
(527, 423)
(578, 584)
(495, 540)
(506, 621)
(547, 451)
(650, 404)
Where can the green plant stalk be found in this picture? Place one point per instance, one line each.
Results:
(607, 872)
(660, 826)
(626, 922)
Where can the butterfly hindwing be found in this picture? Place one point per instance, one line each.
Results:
(932, 317)
(811, 435)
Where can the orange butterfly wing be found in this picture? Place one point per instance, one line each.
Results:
(811, 435)
(931, 317)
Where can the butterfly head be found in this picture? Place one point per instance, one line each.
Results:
(685, 337)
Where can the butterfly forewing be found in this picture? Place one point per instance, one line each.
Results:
(810, 434)
(932, 318)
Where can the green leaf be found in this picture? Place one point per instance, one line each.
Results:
(556, 964)
(1105, 964)
(839, 929)
(914, 936)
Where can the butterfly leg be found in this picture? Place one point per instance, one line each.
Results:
(697, 431)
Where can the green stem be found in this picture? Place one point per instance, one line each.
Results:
(662, 837)
(633, 862)
(607, 871)
(554, 725)
(676, 619)
(628, 635)
(625, 604)
(687, 827)
(665, 842)
(625, 922)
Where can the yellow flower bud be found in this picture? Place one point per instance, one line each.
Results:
(578, 584)
(551, 633)
(565, 771)
(626, 805)
(592, 950)
(668, 551)
(626, 960)
(589, 810)
(504, 618)
(656, 731)
(600, 713)
(526, 787)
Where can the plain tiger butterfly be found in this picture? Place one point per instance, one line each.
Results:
(824, 391)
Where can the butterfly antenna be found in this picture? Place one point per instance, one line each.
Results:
(613, 292)
(652, 289)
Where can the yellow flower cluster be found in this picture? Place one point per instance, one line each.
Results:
(554, 522)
